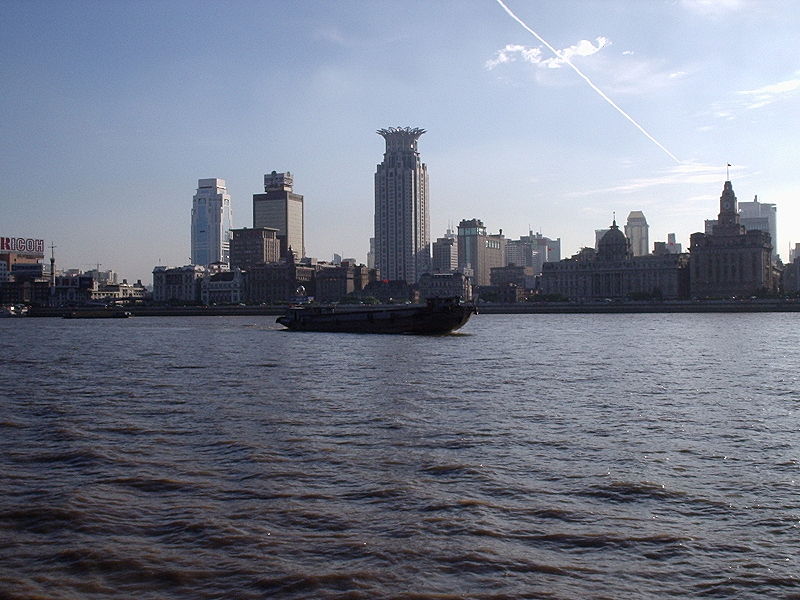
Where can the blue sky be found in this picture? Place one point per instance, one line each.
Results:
(113, 110)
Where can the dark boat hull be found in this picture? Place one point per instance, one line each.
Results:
(97, 314)
(434, 318)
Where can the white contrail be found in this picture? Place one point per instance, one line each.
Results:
(587, 80)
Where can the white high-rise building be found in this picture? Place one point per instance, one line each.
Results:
(637, 231)
(402, 218)
(211, 223)
(760, 216)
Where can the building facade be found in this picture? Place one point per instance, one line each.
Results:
(280, 282)
(637, 231)
(402, 219)
(612, 272)
(445, 255)
(251, 247)
(226, 287)
(521, 253)
(177, 284)
(280, 208)
(791, 277)
(118, 293)
(543, 249)
(211, 222)
(444, 285)
(479, 252)
(522, 277)
(731, 261)
(334, 283)
(760, 216)
(371, 253)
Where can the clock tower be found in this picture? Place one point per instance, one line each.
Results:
(730, 261)
(728, 218)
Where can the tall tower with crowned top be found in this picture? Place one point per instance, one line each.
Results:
(402, 218)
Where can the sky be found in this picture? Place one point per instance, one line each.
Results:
(112, 110)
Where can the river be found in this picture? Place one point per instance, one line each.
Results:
(526, 456)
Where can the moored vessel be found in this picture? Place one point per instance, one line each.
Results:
(102, 313)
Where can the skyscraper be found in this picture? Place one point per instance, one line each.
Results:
(280, 208)
(445, 255)
(760, 216)
(211, 222)
(479, 252)
(402, 218)
(636, 230)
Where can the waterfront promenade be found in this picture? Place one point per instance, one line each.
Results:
(613, 307)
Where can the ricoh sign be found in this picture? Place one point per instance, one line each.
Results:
(22, 245)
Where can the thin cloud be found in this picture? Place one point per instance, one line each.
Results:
(638, 75)
(765, 95)
(713, 8)
(770, 93)
(534, 55)
(682, 174)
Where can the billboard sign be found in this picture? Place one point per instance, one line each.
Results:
(22, 245)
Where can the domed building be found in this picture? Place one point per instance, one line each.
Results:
(613, 245)
(614, 272)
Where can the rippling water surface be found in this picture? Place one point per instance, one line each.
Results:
(528, 456)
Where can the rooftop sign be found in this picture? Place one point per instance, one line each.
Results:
(22, 245)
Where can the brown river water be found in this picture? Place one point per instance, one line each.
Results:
(526, 456)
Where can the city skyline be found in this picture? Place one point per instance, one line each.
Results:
(514, 138)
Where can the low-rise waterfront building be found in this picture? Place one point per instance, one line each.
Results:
(225, 287)
(280, 282)
(444, 285)
(506, 293)
(118, 292)
(73, 289)
(396, 291)
(178, 284)
(791, 277)
(524, 277)
(334, 283)
(34, 291)
(613, 272)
